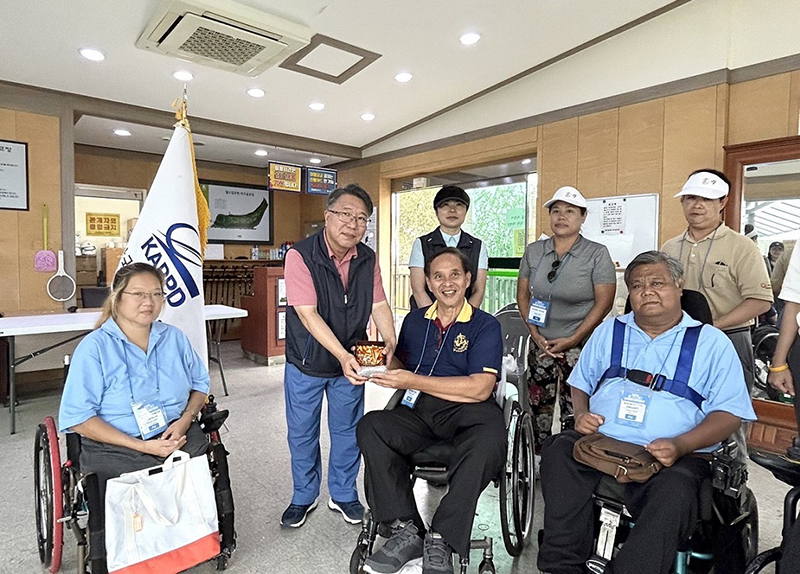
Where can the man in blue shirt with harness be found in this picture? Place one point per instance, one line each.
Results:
(450, 354)
(657, 378)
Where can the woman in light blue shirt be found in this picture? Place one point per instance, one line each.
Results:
(135, 385)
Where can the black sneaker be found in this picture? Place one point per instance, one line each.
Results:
(437, 556)
(352, 512)
(295, 515)
(403, 546)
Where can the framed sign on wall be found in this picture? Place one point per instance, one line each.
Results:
(239, 213)
(103, 224)
(14, 175)
(320, 181)
(285, 177)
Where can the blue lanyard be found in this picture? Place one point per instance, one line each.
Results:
(128, 372)
(425, 343)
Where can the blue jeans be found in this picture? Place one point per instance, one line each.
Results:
(303, 408)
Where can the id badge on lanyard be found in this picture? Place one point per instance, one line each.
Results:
(633, 405)
(150, 416)
(410, 398)
(537, 313)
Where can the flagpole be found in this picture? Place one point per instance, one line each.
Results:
(203, 213)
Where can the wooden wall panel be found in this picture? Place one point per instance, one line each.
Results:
(690, 126)
(21, 231)
(8, 124)
(558, 159)
(641, 141)
(723, 115)
(597, 153)
(492, 149)
(44, 177)
(794, 104)
(759, 109)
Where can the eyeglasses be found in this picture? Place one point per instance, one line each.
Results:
(347, 217)
(157, 297)
(552, 275)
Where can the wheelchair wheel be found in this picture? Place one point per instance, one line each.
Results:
(48, 495)
(765, 339)
(358, 558)
(516, 484)
(737, 543)
(771, 556)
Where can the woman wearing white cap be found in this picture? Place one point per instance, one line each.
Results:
(565, 288)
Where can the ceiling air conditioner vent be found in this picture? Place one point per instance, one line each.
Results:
(224, 35)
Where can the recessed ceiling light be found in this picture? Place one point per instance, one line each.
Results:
(470, 38)
(183, 75)
(315, 160)
(404, 77)
(367, 117)
(256, 93)
(261, 152)
(122, 132)
(316, 106)
(526, 161)
(92, 54)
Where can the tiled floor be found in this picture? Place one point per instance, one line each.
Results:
(262, 488)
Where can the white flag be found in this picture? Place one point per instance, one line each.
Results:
(167, 236)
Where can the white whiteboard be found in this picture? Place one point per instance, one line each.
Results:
(626, 224)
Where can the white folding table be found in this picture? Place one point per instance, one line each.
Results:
(84, 320)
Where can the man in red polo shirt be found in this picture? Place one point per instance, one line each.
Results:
(333, 286)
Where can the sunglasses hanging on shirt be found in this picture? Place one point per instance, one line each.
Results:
(554, 267)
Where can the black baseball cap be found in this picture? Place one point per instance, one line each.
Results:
(449, 192)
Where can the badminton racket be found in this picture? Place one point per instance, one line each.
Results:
(61, 287)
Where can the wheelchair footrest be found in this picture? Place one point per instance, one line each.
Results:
(609, 521)
(596, 564)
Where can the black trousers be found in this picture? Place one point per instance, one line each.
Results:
(664, 509)
(388, 438)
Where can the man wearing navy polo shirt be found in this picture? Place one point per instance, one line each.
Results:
(449, 356)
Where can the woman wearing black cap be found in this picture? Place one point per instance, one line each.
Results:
(451, 204)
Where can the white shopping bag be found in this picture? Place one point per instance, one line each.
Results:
(162, 519)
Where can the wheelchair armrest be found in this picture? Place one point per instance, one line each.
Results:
(212, 421)
(395, 400)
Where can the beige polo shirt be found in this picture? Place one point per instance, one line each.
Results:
(725, 266)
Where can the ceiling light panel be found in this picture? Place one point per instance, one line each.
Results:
(368, 116)
(317, 106)
(183, 75)
(404, 77)
(470, 38)
(122, 132)
(256, 93)
(92, 54)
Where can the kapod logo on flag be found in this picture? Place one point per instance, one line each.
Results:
(171, 252)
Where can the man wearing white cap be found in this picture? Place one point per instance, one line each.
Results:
(722, 264)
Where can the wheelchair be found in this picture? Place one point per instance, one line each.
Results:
(725, 537)
(765, 339)
(785, 468)
(516, 481)
(66, 497)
